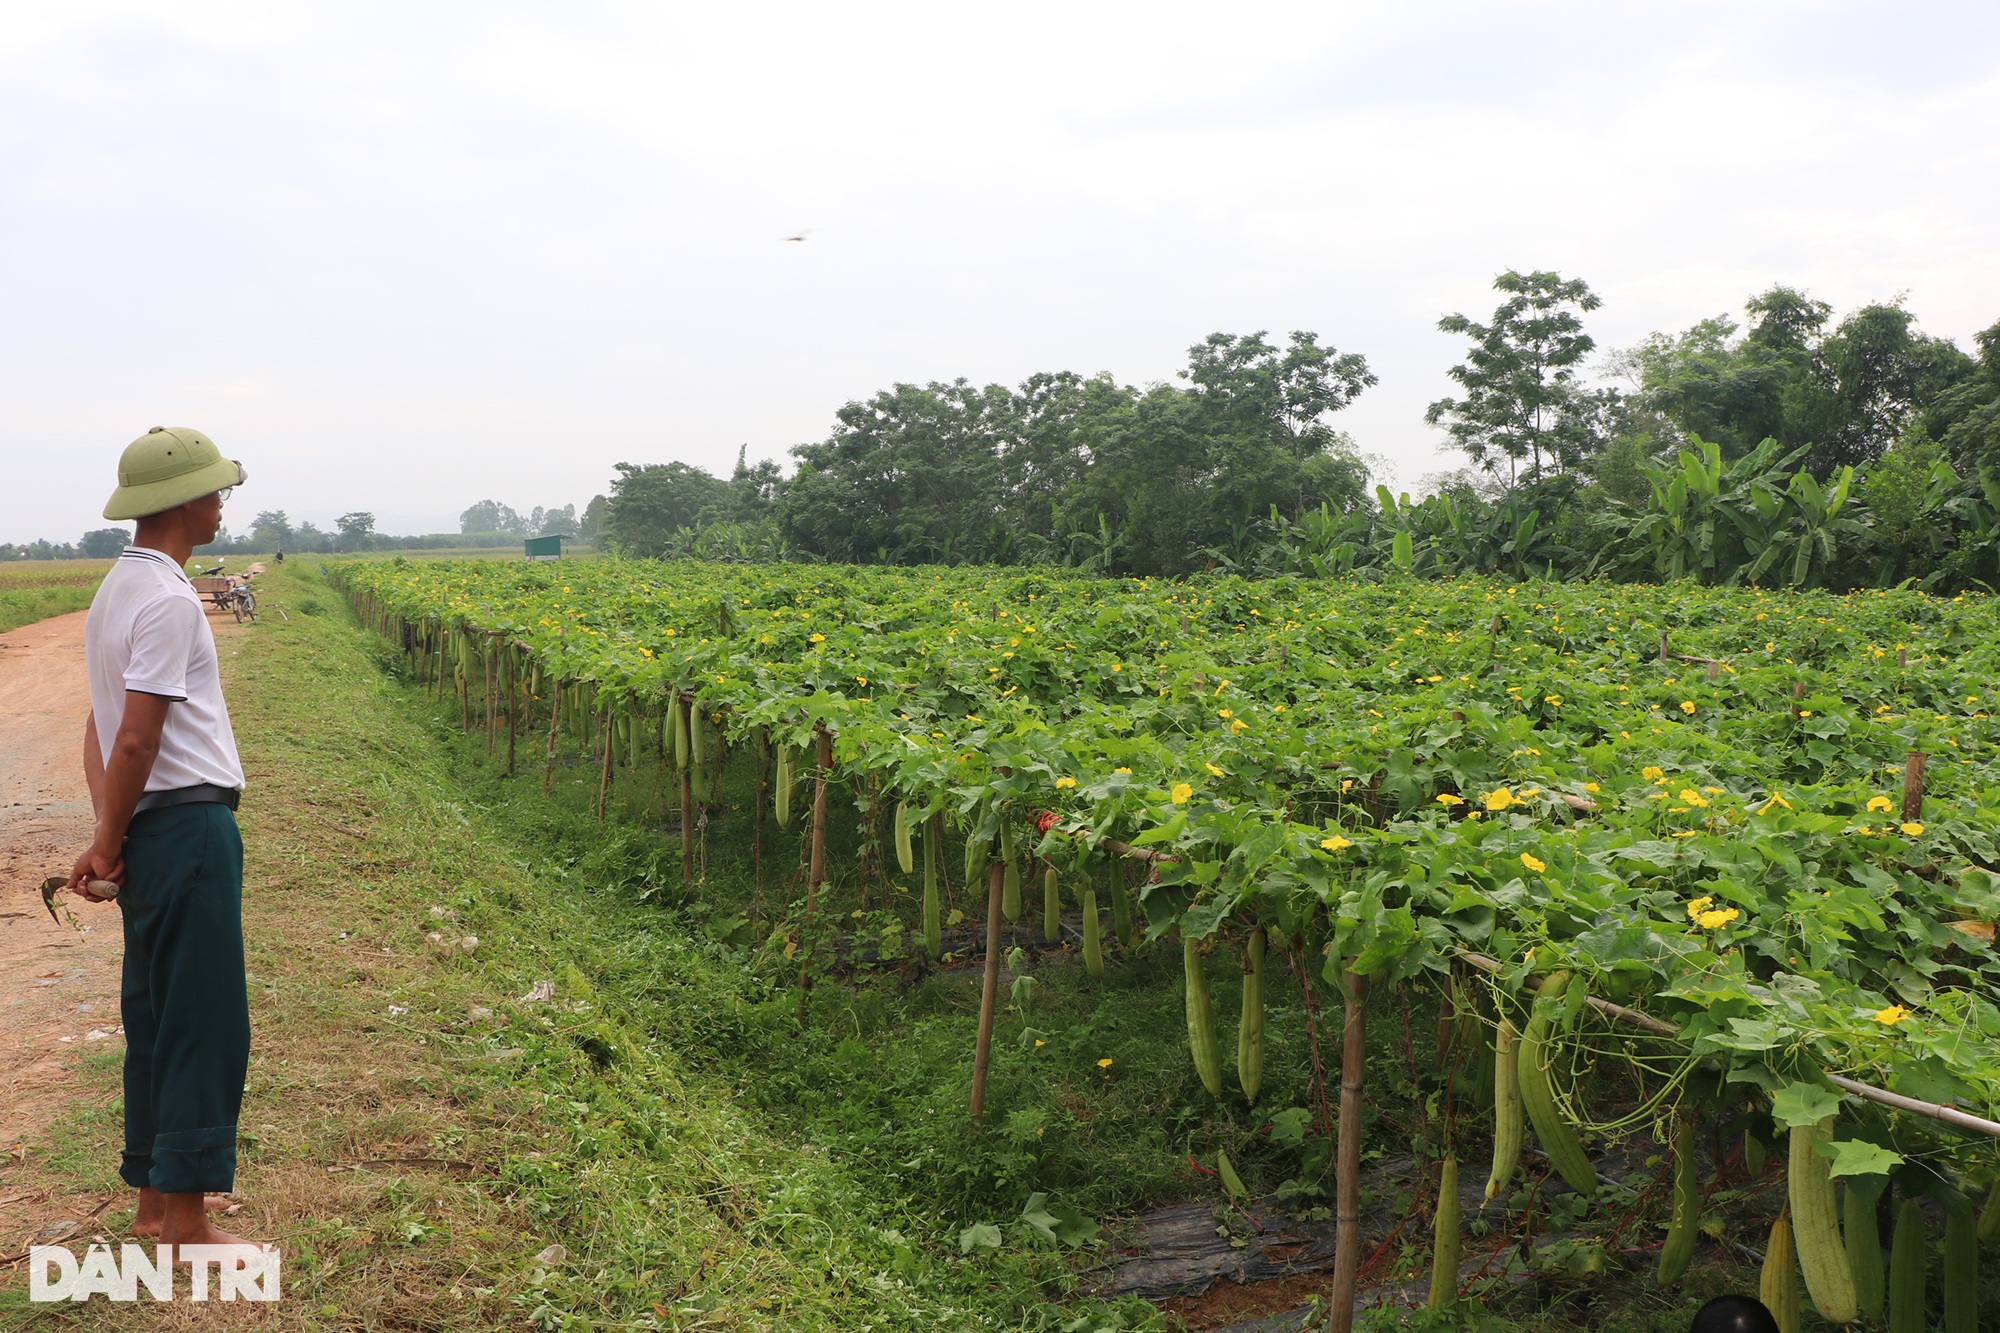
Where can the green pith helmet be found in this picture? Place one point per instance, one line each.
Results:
(169, 466)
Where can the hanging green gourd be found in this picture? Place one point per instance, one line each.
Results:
(1093, 941)
(701, 756)
(933, 928)
(1010, 881)
(1051, 906)
(782, 786)
(1250, 1026)
(905, 856)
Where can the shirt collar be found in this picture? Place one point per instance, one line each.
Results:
(159, 557)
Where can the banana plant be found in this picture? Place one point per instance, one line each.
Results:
(1807, 527)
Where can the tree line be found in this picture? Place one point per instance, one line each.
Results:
(1788, 447)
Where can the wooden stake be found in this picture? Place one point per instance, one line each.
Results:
(1715, 671)
(1347, 1175)
(555, 717)
(1913, 786)
(604, 782)
(687, 801)
(513, 707)
(816, 867)
(1798, 693)
(760, 746)
(486, 660)
(1663, 647)
(989, 990)
(1902, 659)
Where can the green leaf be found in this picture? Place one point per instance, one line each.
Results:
(1039, 1219)
(1858, 1157)
(979, 1236)
(1803, 1104)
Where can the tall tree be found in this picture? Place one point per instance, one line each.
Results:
(1843, 393)
(491, 516)
(103, 543)
(357, 530)
(1523, 402)
(649, 504)
(271, 529)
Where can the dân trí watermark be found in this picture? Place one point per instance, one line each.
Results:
(239, 1272)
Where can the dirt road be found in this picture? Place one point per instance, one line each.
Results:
(58, 988)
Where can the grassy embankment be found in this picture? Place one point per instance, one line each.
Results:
(702, 1160)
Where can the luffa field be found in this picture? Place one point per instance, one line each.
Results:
(1681, 863)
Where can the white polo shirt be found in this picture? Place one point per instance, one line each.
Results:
(147, 632)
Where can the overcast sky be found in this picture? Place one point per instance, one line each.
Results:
(402, 257)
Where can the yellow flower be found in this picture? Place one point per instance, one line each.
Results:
(1125, 771)
(1711, 920)
(1776, 799)
(1913, 829)
(1891, 1016)
(1553, 700)
(1104, 1063)
(1698, 906)
(1239, 725)
(1692, 797)
(1335, 844)
(817, 638)
(1213, 770)
(1040, 1042)
(1537, 866)
(1687, 706)
(1592, 788)
(1223, 712)
(1499, 799)
(1879, 804)
(1446, 798)
(1181, 793)
(1652, 772)
(1062, 783)
(861, 679)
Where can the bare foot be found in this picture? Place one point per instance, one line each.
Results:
(153, 1210)
(204, 1235)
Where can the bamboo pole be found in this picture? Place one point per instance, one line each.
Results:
(1950, 1115)
(989, 990)
(816, 867)
(1913, 786)
(1347, 1188)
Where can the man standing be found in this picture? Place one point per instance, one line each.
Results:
(164, 779)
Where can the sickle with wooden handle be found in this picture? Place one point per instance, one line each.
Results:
(97, 890)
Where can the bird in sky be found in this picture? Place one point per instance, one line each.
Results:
(800, 237)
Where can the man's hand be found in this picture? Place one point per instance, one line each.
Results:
(94, 864)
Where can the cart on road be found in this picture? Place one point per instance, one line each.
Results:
(225, 591)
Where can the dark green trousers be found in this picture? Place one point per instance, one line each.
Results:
(185, 1003)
